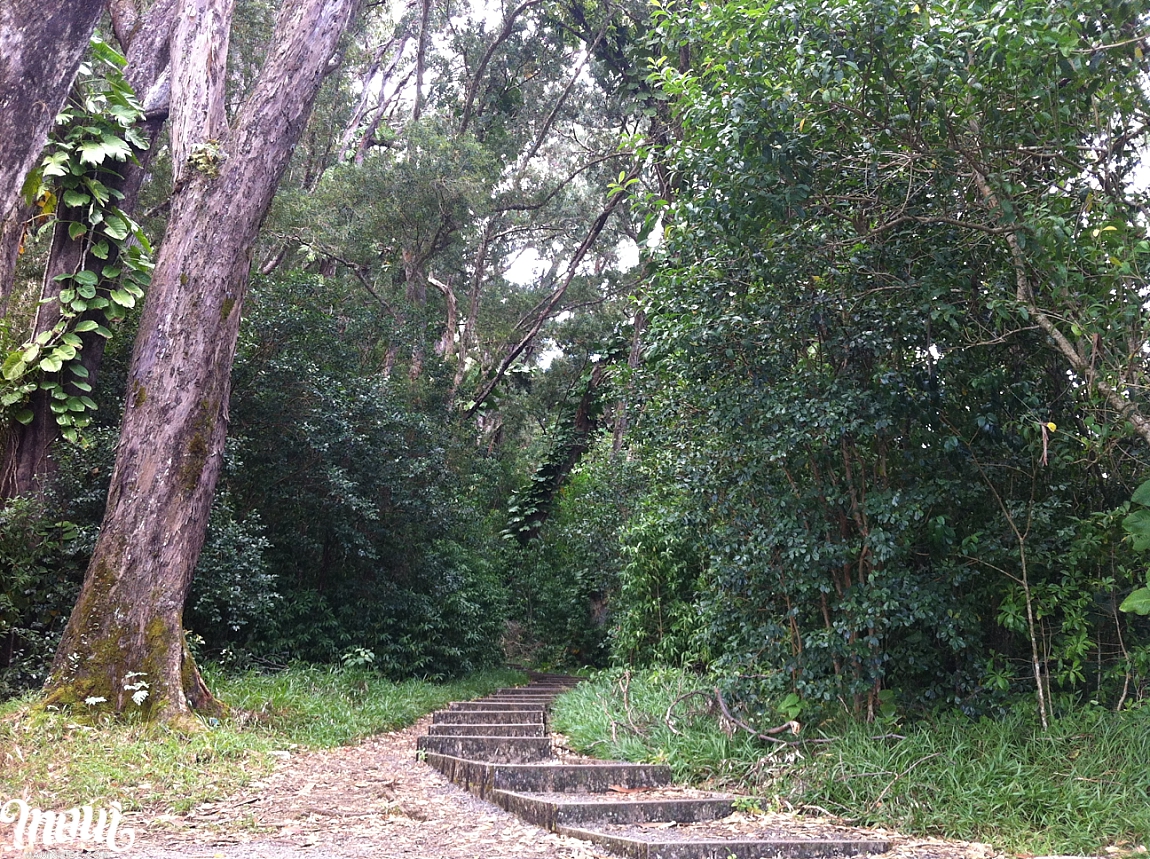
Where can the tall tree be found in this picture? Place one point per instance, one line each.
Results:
(899, 310)
(127, 629)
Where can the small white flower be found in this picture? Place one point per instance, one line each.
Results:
(94, 700)
(140, 696)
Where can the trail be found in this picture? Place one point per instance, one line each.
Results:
(375, 799)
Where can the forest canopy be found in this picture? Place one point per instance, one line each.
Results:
(801, 344)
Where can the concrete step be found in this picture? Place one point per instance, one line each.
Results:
(496, 748)
(481, 778)
(524, 729)
(550, 811)
(657, 845)
(487, 717)
(509, 750)
(484, 705)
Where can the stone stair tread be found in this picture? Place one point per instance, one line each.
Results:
(629, 809)
(742, 826)
(550, 810)
(490, 749)
(481, 777)
(645, 794)
(527, 706)
(505, 729)
(487, 717)
(668, 842)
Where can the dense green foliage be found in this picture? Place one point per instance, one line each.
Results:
(371, 512)
(39, 579)
(857, 442)
(1074, 789)
(874, 481)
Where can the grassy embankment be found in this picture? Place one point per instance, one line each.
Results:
(1080, 788)
(54, 762)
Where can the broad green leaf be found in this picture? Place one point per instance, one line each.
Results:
(1138, 602)
(85, 325)
(76, 199)
(87, 277)
(14, 369)
(75, 230)
(123, 298)
(98, 190)
(55, 165)
(116, 147)
(51, 364)
(116, 227)
(1142, 495)
(24, 416)
(1137, 525)
(92, 152)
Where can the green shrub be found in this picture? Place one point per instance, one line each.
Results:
(41, 566)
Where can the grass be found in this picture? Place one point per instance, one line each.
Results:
(52, 761)
(1079, 788)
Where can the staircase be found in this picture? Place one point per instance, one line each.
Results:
(498, 748)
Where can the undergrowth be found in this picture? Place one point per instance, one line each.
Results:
(52, 761)
(1079, 788)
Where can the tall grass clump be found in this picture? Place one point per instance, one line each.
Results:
(1078, 788)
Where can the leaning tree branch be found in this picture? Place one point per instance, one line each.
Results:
(1025, 295)
(769, 734)
(556, 296)
(477, 78)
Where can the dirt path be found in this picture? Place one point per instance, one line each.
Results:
(374, 800)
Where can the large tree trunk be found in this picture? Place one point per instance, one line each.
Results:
(26, 466)
(41, 43)
(127, 624)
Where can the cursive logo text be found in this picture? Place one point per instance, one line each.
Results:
(73, 826)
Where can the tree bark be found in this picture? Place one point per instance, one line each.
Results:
(27, 465)
(128, 621)
(41, 43)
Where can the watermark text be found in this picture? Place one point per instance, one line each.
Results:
(79, 825)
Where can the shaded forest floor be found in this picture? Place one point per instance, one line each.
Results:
(375, 799)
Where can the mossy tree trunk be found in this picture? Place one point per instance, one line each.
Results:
(127, 626)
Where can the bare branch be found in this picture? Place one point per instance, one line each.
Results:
(556, 296)
(477, 78)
